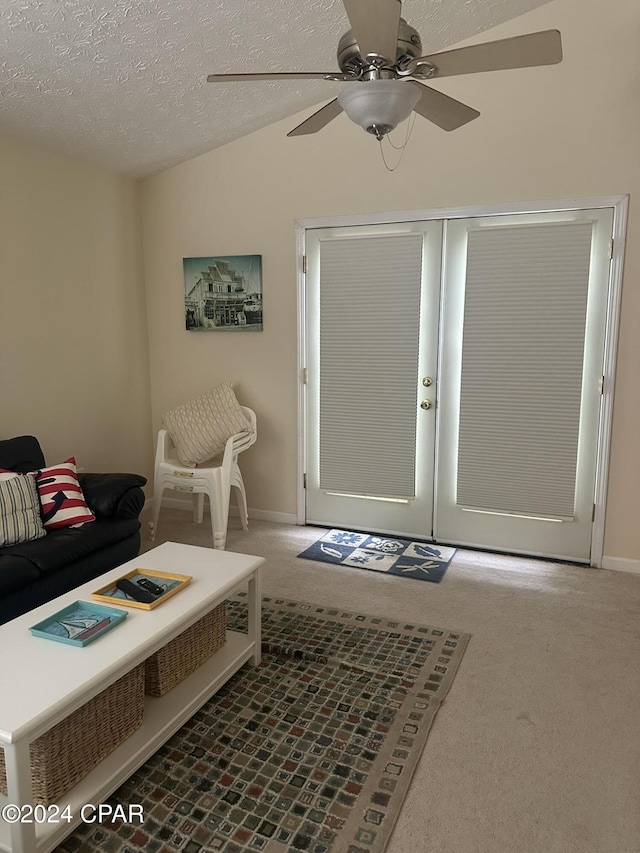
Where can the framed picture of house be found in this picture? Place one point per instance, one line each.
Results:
(223, 293)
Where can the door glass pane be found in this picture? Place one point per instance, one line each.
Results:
(369, 338)
(522, 356)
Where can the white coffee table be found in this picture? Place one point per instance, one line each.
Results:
(42, 682)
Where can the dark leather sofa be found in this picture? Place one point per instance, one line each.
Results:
(32, 573)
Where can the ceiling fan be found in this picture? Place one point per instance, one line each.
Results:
(380, 58)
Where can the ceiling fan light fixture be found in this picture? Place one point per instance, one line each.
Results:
(378, 105)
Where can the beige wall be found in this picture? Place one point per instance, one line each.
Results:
(73, 338)
(549, 133)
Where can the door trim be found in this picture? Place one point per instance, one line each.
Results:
(620, 213)
(620, 204)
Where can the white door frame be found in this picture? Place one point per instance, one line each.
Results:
(620, 204)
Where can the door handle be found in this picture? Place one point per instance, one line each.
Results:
(425, 404)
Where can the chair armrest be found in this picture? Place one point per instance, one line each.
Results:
(113, 495)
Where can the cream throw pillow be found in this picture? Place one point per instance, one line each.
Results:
(19, 510)
(200, 428)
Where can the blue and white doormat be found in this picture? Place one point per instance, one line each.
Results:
(403, 557)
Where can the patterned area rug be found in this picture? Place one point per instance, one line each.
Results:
(311, 751)
(404, 557)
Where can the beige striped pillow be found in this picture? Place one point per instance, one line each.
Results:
(200, 428)
(19, 510)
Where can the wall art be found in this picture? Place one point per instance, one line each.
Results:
(223, 293)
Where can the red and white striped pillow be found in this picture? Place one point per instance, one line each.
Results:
(61, 497)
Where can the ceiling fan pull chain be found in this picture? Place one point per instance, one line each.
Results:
(407, 136)
(402, 148)
(384, 159)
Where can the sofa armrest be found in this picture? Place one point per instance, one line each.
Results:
(113, 495)
(22, 454)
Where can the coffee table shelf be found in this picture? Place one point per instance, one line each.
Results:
(216, 575)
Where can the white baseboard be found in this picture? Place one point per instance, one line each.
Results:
(621, 564)
(257, 514)
(268, 515)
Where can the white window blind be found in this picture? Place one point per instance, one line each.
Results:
(522, 360)
(369, 334)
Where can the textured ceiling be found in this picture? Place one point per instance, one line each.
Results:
(121, 83)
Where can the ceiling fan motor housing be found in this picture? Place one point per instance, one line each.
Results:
(351, 60)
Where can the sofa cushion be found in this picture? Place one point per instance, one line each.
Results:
(61, 498)
(15, 573)
(69, 544)
(200, 428)
(19, 510)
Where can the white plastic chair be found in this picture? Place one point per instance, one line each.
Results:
(215, 479)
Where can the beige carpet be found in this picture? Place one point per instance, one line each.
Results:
(537, 747)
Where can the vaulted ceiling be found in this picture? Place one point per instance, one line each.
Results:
(121, 83)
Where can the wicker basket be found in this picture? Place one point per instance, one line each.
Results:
(174, 662)
(70, 750)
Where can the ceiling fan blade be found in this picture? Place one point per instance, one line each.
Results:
(285, 75)
(442, 110)
(375, 25)
(318, 120)
(543, 48)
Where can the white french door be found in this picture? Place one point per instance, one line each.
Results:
(523, 334)
(503, 319)
(372, 311)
